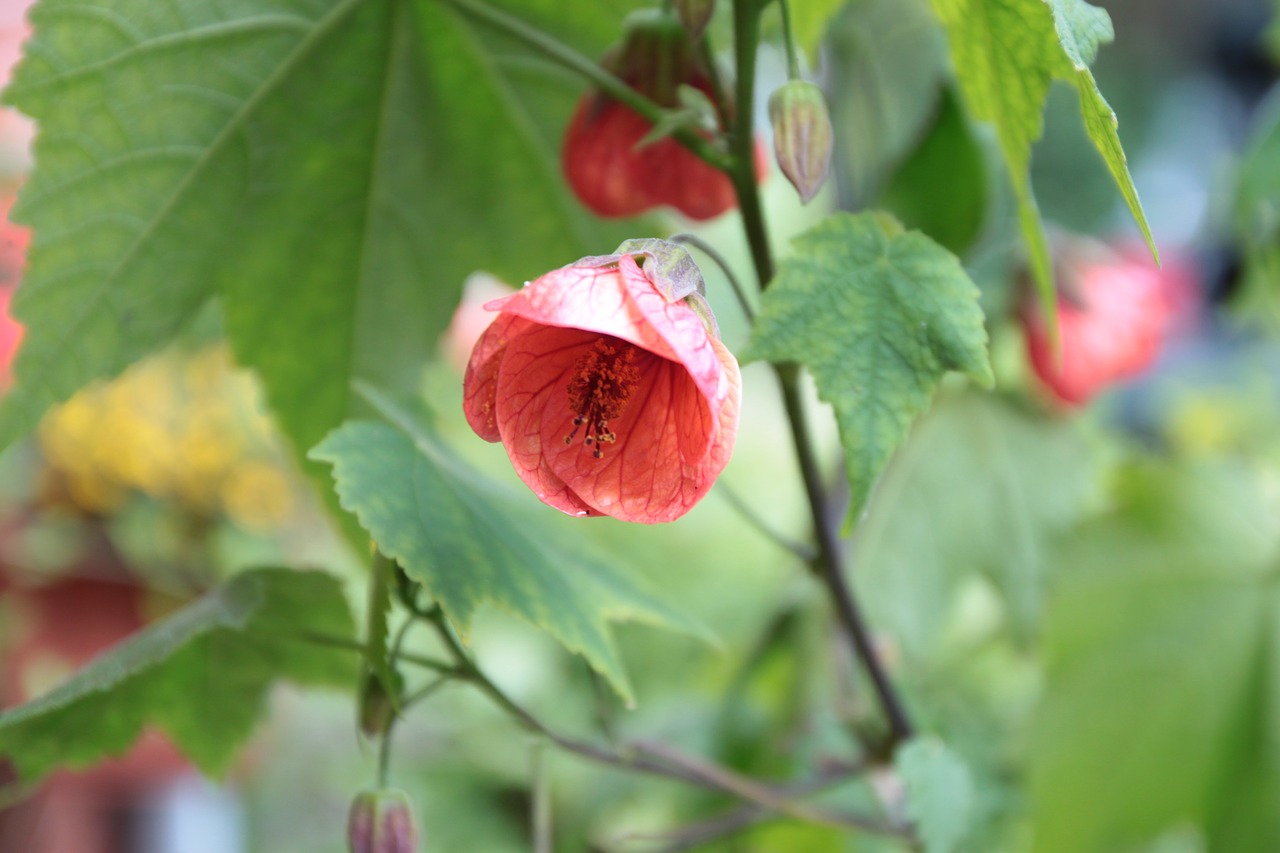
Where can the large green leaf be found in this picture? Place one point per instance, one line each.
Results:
(1163, 682)
(332, 168)
(1024, 479)
(878, 315)
(468, 542)
(200, 675)
(1006, 53)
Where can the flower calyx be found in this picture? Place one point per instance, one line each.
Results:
(381, 821)
(802, 135)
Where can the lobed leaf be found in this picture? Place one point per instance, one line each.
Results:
(200, 675)
(878, 315)
(463, 539)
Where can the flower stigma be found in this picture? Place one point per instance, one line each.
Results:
(604, 378)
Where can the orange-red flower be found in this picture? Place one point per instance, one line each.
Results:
(611, 393)
(1114, 312)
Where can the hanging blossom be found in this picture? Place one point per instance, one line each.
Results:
(608, 385)
(1115, 311)
(612, 161)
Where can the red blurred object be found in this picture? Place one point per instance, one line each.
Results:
(606, 165)
(58, 627)
(1115, 311)
(13, 255)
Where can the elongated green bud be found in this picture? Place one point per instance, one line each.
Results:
(802, 135)
(695, 15)
(381, 821)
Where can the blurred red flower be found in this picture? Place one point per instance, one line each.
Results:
(609, 391)
(1115, 310)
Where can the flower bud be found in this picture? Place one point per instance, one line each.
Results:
(381, 821)
(802, 135)
(695, 15)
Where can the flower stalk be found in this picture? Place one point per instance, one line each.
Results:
(828, 562)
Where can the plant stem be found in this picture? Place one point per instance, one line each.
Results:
(828, 563)
(793, 61)
(356, 646)
(801, 550)
(597, 75)
(746, 36)
(657, 759)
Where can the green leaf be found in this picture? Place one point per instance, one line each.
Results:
(940, 792)
(809, 21)
(947, 155)
(1081, 28)
(890, 65)
(1025, 478)
(1162, 679)
(465, 541)
(878, 315)
(333, 169)
(200, 675)
(1005, 53)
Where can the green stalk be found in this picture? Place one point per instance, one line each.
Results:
(793, 60)
(828, 563)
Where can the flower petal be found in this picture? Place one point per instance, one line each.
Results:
(624, 303)
(480, 384)
(534, 374)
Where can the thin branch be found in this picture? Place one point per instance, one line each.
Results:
(748, 815)
(655, 759)
(801, 550)
(355, 646)
(760, 795)
(829, 564)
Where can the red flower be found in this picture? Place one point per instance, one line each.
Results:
(606, 166)
(607, 388)
(1113, 315)
(613, 175)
